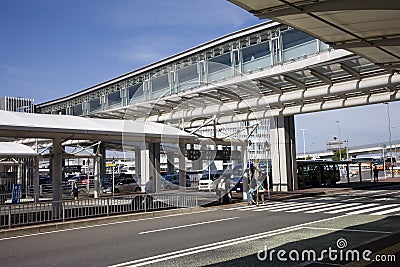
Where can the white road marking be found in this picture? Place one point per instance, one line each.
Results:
(217, 245)
(372, 209)
(346, 230)
(269, 204)
(286, 206)
(313, 207)
(187, 225)
(292, 208)
(362, 206)
(386, 211)
(105, 224)
(332, 208)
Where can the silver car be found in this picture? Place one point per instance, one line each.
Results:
(124, 185)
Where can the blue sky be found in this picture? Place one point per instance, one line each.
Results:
(50, 49)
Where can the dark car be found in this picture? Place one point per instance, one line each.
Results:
(171, 181)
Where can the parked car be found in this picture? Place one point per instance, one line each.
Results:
(78, 179)
(236, 181)
(209, 181)
(171, 181)
(124, 185)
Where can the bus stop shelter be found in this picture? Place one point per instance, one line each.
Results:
(24, 161)
(60, 128)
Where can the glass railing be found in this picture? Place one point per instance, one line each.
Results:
(160, 93)
(188, 85)
(220, 75)
(255, 64)
(298, 51)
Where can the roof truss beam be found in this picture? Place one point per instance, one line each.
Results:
(270, 86)
(294, 81)
(321, 76)
(350, 71)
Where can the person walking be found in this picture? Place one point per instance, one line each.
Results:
(150, 186)
(75, 190)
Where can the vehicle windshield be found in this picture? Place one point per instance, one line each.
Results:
(213, 176)
(237, 172)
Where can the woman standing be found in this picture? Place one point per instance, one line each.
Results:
(75, 190)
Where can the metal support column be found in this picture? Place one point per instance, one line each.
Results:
(283, 154)
(57, 176)
(36, 179)
(182, 167)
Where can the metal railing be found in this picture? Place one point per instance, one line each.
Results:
(12, 215)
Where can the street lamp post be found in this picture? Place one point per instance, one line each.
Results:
(390, 139)
(395, 147)
(304, 143)
(340, 142)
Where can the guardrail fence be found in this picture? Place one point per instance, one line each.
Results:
(12, 215)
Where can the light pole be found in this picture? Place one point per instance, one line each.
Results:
(395, 147)
(304, 143)
(390, 139)
(340, 142)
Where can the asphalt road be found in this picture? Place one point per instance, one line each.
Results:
(234, 235)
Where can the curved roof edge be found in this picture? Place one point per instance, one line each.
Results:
(10, 149)
(196, 49)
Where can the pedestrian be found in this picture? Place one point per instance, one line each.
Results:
(149, 188)
(75, 190)
(376, 172)
(227, 197)
(252, 188)
(260, 191)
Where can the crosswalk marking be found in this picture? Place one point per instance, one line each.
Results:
(362, 206)
(275, 204)
(381, 207)
(353, 208)
(286, 207)
(386, 211)
(313, 207)
(332, 207)
(294, 208)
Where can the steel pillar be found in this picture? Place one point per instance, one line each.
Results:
(283, 154)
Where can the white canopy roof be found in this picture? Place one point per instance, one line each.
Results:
(26, 125)
(9, 149)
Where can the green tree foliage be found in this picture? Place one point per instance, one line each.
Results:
(336, 154)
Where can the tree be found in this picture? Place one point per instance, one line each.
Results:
(336, 154)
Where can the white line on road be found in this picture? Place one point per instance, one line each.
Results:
(287, 205)
(351, 208)
(106, 224)
(313, 207)
(187, 225)
(386, 211)
(346, 230)
(217, 245)
(372, 209)
(332, 207)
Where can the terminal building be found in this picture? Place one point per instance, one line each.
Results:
(156, 92)
(246, 86)
(16, 104)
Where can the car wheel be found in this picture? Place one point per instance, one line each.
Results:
(168, 187)
(116, 190)
(137, 189)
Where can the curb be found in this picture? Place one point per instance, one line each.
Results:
(84, 222)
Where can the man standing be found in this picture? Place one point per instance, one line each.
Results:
(376, 172)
